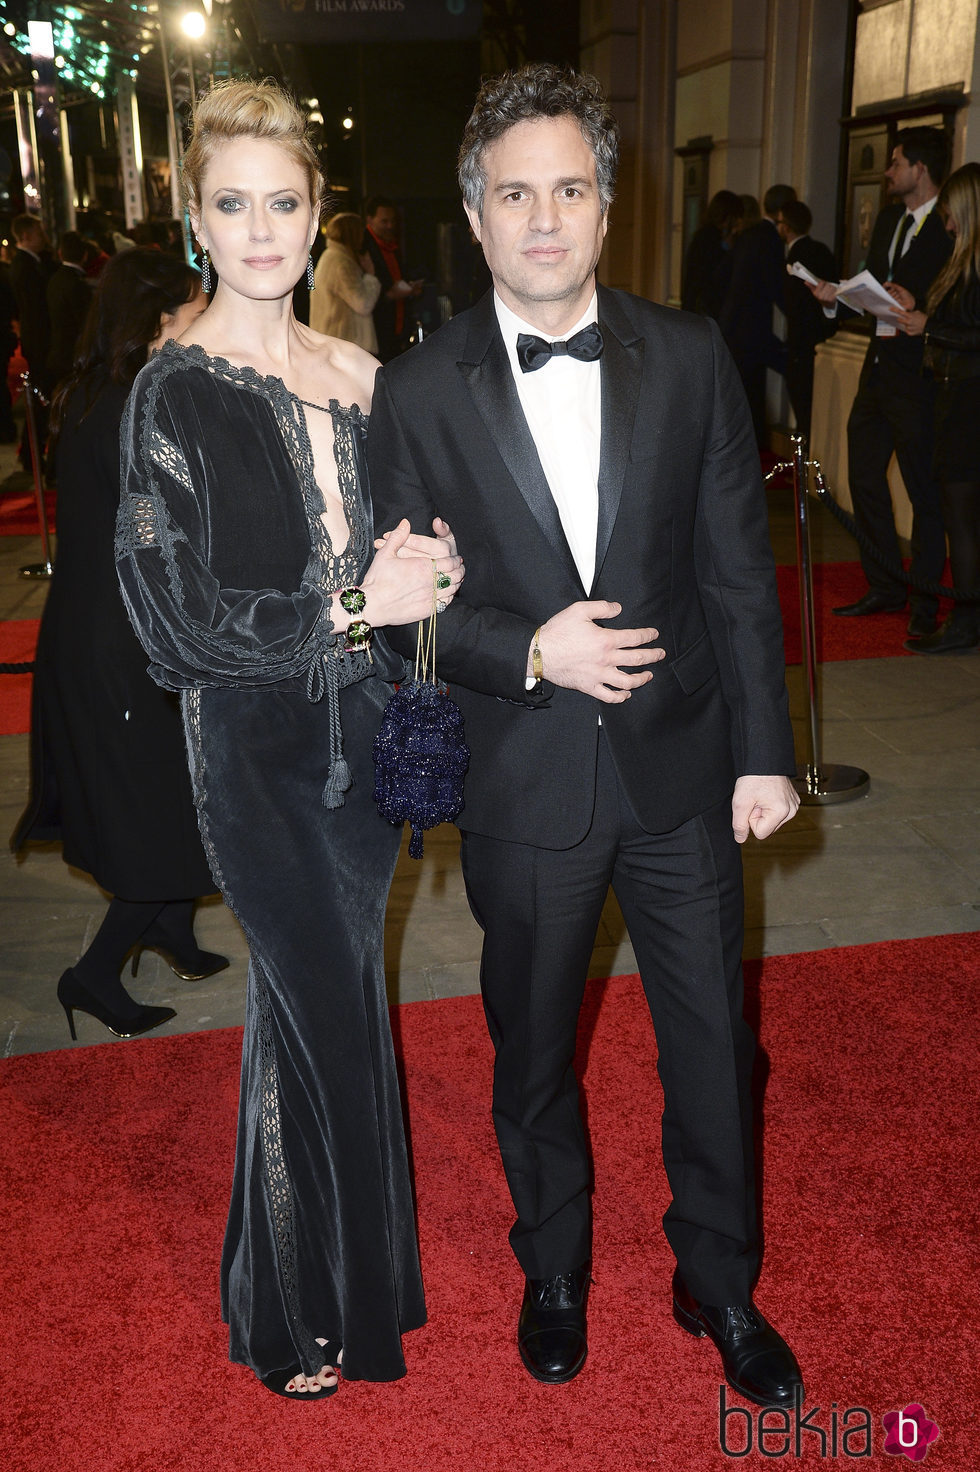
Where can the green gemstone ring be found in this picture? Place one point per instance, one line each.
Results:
(443, 580)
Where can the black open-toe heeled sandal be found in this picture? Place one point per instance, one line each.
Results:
(279, 1379)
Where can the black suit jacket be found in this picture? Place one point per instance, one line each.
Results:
(69, 298)
(29, 279)
(682, 543)
(916, 271)
(806, 322)
(756, 286)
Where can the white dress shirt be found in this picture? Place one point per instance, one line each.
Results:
(562, 405)
(918, 216)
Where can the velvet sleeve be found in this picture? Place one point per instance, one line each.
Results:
(195, 631)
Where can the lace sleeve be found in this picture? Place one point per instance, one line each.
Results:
(196, 632)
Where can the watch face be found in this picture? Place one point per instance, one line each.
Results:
(352, 600)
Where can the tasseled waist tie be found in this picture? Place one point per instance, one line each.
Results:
(328, 674)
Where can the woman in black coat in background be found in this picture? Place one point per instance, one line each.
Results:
(108, 764)
(951, 327)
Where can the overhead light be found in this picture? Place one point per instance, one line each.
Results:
(41, 36)
(347, 123)
(193, 24)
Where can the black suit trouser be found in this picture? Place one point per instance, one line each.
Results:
(799, 386)
(681, 895)
(893, 413)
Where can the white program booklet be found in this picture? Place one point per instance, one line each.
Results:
(862, 293)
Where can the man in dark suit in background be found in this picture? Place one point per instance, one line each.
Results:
(757, 285)
(30, 270)
(594, 457)
(69, 298)
(806, 322)
(381, 243)
(8, 341)
(893, 410)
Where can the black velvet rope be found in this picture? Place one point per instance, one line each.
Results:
(17, 669)
(820, 492)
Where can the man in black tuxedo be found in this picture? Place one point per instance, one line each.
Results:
(806, 322)
(594, 457)
(757, 285)
(893, 410)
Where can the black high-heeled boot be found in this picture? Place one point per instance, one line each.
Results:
(74, 996)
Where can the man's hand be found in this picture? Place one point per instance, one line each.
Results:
(578, 655)
(762, 804)
(825, 292)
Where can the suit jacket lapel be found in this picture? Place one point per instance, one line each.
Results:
(622, 368)
(487, 373)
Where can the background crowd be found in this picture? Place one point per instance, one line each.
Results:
(919, 392)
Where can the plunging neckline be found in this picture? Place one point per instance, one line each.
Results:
(272, 386)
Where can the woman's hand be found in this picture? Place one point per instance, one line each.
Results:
(911, 323)
(443, 544)
(398, 583)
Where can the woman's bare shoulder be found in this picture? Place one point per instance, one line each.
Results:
(343, 370)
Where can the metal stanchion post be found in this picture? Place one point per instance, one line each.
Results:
(816, 782)
(46, 568)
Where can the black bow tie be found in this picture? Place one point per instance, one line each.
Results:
(534, 352)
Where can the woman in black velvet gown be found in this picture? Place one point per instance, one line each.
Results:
(246, 554)
(108, 764)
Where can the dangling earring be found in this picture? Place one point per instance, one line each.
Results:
(206, 282)
(309, 272)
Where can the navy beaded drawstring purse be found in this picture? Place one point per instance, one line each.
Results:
(420, 754)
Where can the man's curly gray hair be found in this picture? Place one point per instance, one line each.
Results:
(539, 91)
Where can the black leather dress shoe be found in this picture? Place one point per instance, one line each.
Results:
(757, 1361)
(921, 624)
(957, 633)
(872, 602)
(551, 1334)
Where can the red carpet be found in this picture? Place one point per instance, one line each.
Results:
(836, 583)
(18, 640)
(117, 1167)
(18, 514)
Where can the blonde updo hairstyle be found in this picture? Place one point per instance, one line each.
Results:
(247, 109)
(346, 229)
